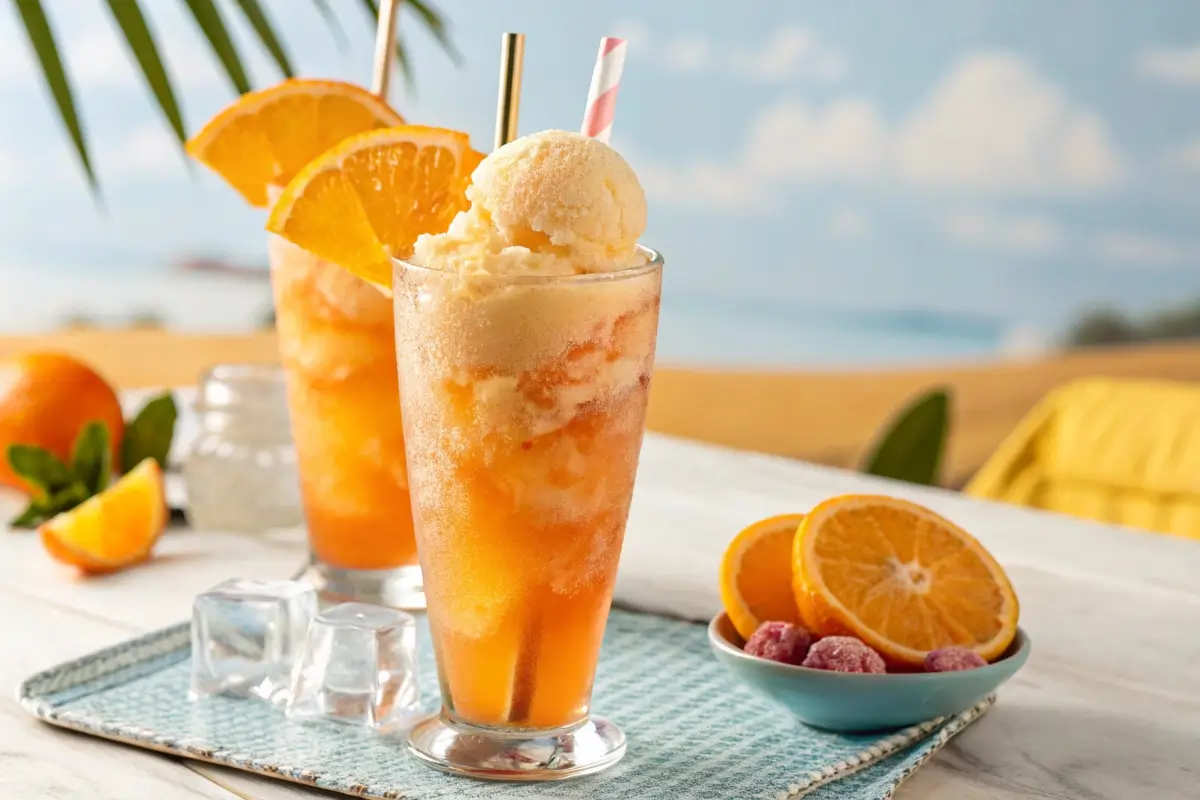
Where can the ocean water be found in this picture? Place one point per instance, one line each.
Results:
(695, 329)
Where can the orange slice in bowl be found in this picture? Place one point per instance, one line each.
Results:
(264, 138)
(901, 578)
(756, 574)
(114, 529)
(369, 198)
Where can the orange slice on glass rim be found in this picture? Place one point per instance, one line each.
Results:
(756, 574)
(367, 199)
(114, 529)
(901, 578)
(264, 138)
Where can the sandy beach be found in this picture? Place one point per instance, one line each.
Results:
(829, 417)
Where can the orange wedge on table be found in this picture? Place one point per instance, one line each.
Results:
(264, 138)
(114, 529)
(901, 578)
(756, 574)
(370, 197)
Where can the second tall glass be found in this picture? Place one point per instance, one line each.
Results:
(524, 402)
(337, 347)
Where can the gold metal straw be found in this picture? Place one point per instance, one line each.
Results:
(508, 108)
(385, 51)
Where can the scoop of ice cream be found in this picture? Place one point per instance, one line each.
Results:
(564, 189)
(552, 203)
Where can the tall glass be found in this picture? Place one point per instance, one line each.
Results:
(524, 403)
(338, 351)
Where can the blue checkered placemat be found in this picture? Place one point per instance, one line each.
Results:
(693, 732)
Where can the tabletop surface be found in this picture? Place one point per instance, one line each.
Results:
(1108, 706)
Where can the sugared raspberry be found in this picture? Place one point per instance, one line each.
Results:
(780, 641)
(844, 654)
(953, 659)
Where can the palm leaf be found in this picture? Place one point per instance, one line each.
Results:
(266, 34)
(437, 26)
(41, 38)
(209, 20)
(335, 27)
(130, 19)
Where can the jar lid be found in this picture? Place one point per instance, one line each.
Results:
(255, 387)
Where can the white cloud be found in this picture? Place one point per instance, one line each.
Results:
(1022, 233)
(686, 54)
(792, 142)
(1141, 249)
(703, 185)
(993, 123)
(1187, 156)
(1177, 65)
(848, 224)
(788, 53)
(992, 126)
(147, 151)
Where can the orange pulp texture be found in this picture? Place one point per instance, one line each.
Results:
(338, 351)
(520, 537)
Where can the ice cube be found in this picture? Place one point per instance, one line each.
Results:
(246, 637)
(358, 667)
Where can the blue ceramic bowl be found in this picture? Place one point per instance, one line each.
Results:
(849, 703)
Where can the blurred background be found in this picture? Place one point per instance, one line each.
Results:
(855, 203)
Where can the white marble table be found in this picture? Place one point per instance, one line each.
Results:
(1108, 707)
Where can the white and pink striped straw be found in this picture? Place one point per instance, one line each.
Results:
(602, 97)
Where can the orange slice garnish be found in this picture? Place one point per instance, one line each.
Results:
(756, 574)
(114, 529)
(264, 138)
(901, 578)
(369, 198)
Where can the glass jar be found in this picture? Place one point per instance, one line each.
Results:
(241, 470)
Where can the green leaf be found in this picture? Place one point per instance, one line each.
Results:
(41, 509)
(91, 460)
(208, 18)
(911, 449)
(40, 467)
(129, 18)
(266, 34)
(41, 38)
(437, 26)
(335, 27)
(149, 433)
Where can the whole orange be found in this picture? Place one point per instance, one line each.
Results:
(46, 399)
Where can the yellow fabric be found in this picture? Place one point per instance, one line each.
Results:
(1118, 451)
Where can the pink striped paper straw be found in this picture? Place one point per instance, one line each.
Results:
(602, 96)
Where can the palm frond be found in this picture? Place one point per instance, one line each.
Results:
(266, 34)
(436, 23)
(41, 38)
(208, 19)
(372, 9)
(335, 27)
(129, 17)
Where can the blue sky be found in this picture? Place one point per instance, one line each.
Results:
(966, 172)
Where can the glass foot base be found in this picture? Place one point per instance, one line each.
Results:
(397, 588)
(517, 756)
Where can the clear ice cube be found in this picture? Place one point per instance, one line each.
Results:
(358, 667)
(246, 637)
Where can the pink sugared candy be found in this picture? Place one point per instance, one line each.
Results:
(844, 654)
(953, 659)
(780, 641)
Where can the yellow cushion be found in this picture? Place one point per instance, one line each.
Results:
(1118, 451)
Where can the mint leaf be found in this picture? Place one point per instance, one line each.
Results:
(40, 467)
(149, 433)
(41, 509)
(91, 460)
